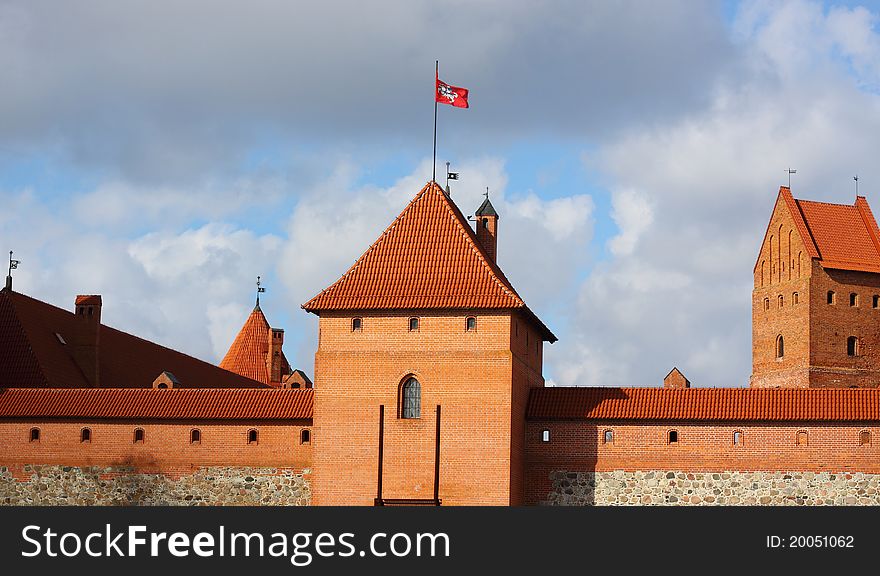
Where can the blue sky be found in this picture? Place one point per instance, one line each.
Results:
(164, 155)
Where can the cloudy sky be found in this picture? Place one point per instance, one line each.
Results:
(164, 154)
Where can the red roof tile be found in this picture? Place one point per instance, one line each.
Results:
(249, 351)
(714, 404)
(35, 339)
(841, 236)
(429, 257)
(150, 404)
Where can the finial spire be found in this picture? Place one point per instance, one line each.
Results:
(856, 178)
(486, 194)
(13, 264)
(260, 290)
(790, 172)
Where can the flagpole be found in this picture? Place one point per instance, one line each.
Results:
(436, 76)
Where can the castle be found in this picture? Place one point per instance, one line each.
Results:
(428, 390)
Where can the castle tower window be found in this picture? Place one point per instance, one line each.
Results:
(737, 438)
(766, 304)
(780, 347)
(305, 437)
(875, 301)
(545, 435)
(252, 436)
(470, 324)
(794, 298)
(853, 299)
(357, 324)
(411, 399)
(831, 296)
(852, 346)
(138, 435)
(413, 324)
(864, 438)
(35, 434)
(195, 436)
(608, 437)
(673, 437)
(779, 301)
(801, 438)
(85, 435)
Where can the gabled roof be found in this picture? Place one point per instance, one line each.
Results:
(840, 236)
(486, 209)
(705, 404)
(35, 342)
(429, 257)
(150, 404)
(249, 351)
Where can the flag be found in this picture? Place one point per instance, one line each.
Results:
(452, 175)
(452, 95)
(13, 264)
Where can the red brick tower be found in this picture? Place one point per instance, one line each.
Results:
(424, 318)
(256, 352)
(816, 297)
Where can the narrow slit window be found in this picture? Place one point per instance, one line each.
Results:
(831, 296)
(139, 436)
(794, 298)
(85, 435)
(252, 436)
(875, 301)
(864, 438)
(737, 438)
(780, 301)
(608, 437)
(357, 324)
(195, 436)
(801, 439)
(780, 347)
(35, 434)
(305, 437)
(853, 299)
(766, 304)
(545, 435)
(470, 324)
(852, 346)
(673, 436)
(413, 324)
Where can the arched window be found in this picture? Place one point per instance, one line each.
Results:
(305, 437)
(470, 324)
(779, 301)
(85, 435)
(545, 435)
(853, 299)
(411, 399)
(162, 386)
(831, 296)
(35, 434)
(794, 298)
(780, 346)
(737, 437)
(673, 436)
(762, 273)
(413, 324)
(852, 346)
(252, 436)
(801, 439)
(864, 438)
(766, 304)
(608, 437)
(357, 324)
(485, 223)
(139, 435)
(195, 436)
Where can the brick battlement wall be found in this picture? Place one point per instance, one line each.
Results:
(830, 465)
(166, 468)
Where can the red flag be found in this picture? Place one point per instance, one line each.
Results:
(452, 95)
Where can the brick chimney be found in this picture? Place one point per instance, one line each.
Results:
(86, 337)
(675, 379)
(487, 228)
(273, 361)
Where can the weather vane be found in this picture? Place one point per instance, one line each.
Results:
(260, 290)
(790, 172)
(486, 193)
(13, 264)
(450, 176)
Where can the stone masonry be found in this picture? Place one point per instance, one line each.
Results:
(124, 486)
(677, 488)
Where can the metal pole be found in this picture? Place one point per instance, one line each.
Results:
(437, 461)
(436, 78)
(381, 449)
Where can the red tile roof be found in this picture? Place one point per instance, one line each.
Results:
(35, 351)
(429, 257)
(841, 236)
(150, 404)
(701, 404)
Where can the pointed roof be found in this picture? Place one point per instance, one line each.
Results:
(840, 236)
(486, 209)
(429, 257)
(35, 351)
(248, 353)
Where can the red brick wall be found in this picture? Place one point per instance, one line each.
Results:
(475, 376)
(166, 447)
(578, 446)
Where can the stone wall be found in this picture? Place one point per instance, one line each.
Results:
(46, 485)
(676, 488)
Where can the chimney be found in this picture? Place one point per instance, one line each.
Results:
(273, 362)
(487, 228)
(675, 379)
(86, 337)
